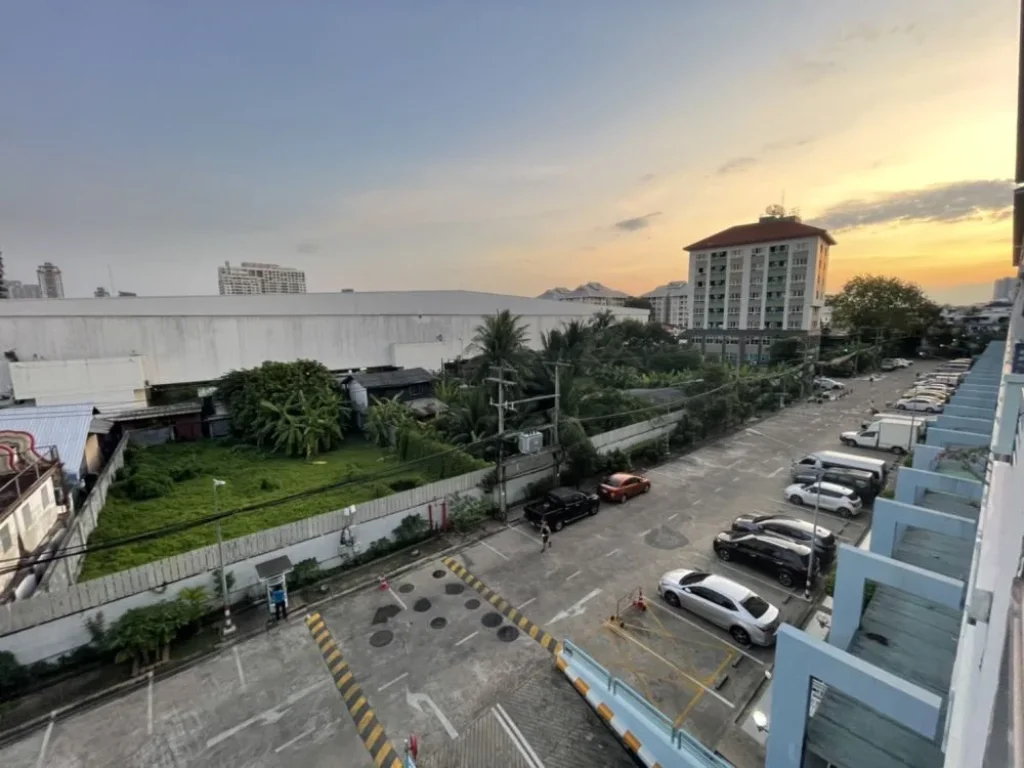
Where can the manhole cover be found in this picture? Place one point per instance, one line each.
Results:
(406, 588)
(381, 638)
(666, 538)
(472, 604)
(491, 620)
(439, 574)
(454, 589)
(385, 612)
(421, 606)
(439, 623)
(508, 633)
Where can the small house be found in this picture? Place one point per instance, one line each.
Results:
(413, 386)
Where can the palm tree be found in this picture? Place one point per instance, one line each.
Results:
(385, 417)
(470, 417)
(300, 427)
(501, 340)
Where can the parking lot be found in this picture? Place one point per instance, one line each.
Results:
(436, 659)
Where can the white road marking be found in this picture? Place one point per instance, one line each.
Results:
(523, 605)
(662, 659)
(695, 503)
(523, 533)
(737, 477)
(695, 625)
(396, 680)
(288, 743)
(531, 757)
(46, 740)
(719, 488)
(149, 705)
(420, 700)
(513, 739)
(238, 666)
(673, 516)
(573, 575)
(499, 554)
(575, 609)
(467, 638)
(267, 717)
(609, 554)
(774, 473)
(644, 533)
(398, 599)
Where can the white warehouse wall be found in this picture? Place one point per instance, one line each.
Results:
(200, 338)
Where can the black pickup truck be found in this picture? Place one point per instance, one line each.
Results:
(561, 506)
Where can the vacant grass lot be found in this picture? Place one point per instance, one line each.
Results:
(251, 478)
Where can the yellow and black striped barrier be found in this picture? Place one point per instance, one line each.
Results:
(371, 732)
(505, 608)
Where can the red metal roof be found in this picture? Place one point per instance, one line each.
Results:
(760, 232)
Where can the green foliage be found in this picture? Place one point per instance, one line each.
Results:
(218, 589)
(304, 573)
(466, 513)
(437, 458)
(541, 487)
(386, 417)
(411, 530)
(141, 633)
(501, 340)
(146, 484)
(296, 408)
(188, 468)
(13, 676)
(616, 461)
(251, 478)
(195, 603)
(786, 351)
(406, 483)
(870, 306)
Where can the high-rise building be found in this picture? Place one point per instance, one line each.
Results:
(51, 284)
(252, 278)
(19, 290)
(4, 293)
(101, 293)
(670, 304)
(588, 293)
(1004, 289)
(754, 283)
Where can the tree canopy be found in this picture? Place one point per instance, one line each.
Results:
(875, 306)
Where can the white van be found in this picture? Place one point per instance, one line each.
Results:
(829, 459)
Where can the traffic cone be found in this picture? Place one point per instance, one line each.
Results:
(384, 584)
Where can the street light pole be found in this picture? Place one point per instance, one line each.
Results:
(229, 626)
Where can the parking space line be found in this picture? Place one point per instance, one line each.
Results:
(238, 666)
(499, 554)
(388, 684)
(288, 743)
(467, 638)
(710, 680)
(545, 640)
(673, 516)
(515, 528)
(46, 740)
(644, 533)
(149, 704)
(573, 575)
(707, 632)
(662, 659)
(370, 731)
(778, 587)
(694, 504)
(609, 554)
(523, 605)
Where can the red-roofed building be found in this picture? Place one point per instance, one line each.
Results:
(752, 284)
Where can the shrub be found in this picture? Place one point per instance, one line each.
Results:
(147, 483)
(186, 469)
(615, 461)
(405, 483)
(13, 676)
(379, 490)
(540, 487)
(412, 529)
(217, 590)
(305, 572)
(466, 513)
(439, 459)
(269, 484)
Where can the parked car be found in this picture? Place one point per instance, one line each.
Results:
(834, 498)
(786, 559)
(898, 435)
(937, 393)
(903, 362)
(723, 602)
(621, 487)
(828, 384)
(561, 506)
(794, 529)
(920, 403)
(864, 484)
(888, 364)
(841, 460)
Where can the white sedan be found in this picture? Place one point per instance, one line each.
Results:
(723, 602)
(832, 497)
(920, 403)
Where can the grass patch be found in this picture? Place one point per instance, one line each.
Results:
(251, 478)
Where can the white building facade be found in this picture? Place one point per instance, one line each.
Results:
(255, 278)
(754, 283)
(1004, 289)
(189, 339)
(588, 293)
(670, 304)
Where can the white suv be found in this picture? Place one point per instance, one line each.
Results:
(920, 403)
(834, 498)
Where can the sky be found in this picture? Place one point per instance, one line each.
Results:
(502, 147)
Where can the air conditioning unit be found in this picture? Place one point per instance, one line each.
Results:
(531, 442)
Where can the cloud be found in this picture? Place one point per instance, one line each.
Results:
(737, 165)
(945, 203)
(783, 144)
(640, 222)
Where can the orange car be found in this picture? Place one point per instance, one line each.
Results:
(621, 487)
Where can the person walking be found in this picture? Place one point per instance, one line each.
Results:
(545, 536)
(280, 605)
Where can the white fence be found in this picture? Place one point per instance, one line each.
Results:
(53, 623)
(62, 574)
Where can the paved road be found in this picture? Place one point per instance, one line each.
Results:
(433, 658)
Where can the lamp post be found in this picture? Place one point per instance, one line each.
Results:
(229, 626)
(817, 506)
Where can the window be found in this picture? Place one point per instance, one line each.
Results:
(45, 496)
(734, 323)
(5, 540)
(27, 515)
(755, 606)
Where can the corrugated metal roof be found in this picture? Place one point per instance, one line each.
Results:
(156, 411)
(65, 427)
(388, 379)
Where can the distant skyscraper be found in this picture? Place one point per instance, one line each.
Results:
(19, 290)
(3, 284)
(51, 284)
(101, 293)
(252, 278)
(1004, 289)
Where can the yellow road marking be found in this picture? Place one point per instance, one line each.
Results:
(709, 680)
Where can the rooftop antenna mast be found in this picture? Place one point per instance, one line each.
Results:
(110, 274)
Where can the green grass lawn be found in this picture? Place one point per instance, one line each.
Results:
(244, 469)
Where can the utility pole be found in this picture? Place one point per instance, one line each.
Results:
(229, 626)
(501, 405)
(557, 416)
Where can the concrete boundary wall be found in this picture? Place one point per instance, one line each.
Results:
(53, 623)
